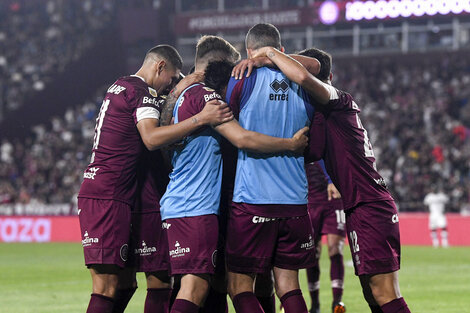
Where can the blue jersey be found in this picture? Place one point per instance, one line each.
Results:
(267, 102)
(195, 182)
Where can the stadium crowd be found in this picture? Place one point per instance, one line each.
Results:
(35, 42)
(417, 115)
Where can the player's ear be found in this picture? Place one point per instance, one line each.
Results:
(282, 49)
(160, 66)
(331, 76)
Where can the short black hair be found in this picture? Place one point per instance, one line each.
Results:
(217, 75)
(211, 48)
(263, 35)
(324, 58)
(168, 53)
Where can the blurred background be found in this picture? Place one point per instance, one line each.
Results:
(407, 64)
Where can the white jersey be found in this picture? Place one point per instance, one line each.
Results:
(436, 203)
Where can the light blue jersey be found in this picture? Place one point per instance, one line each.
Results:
(267, 102)
(195, 182)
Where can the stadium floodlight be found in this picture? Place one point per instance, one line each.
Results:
(329, 12)
(360, 10)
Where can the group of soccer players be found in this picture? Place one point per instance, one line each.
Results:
(235, 214)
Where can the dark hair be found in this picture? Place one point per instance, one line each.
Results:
(263, 35)
(324, 58)
(211, 48)
(168, 53)
(218, 74)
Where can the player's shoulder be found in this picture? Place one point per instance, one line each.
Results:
(136, 85)
(201, 92)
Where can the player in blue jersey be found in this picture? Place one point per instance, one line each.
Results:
(191, 203)
(269, 227)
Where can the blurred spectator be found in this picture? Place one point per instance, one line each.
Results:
(36, 42)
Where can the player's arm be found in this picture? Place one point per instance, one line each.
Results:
(257, 142)
(331, 189)
(318, 90)
(311, 64)
(169, 104)
(155, 136)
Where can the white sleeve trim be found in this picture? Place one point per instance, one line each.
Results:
(333, 92)
(146, 112)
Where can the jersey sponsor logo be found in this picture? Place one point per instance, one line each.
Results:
(212, 96)
(116, 89)
(91, 173)
(166, 225)
(179, 251)
(87, 240)
(279, 86)
(153, 92)
(395, 218)
(260, 219)
(380, 181)
(145, 250)
(308, 245)
(149, 100)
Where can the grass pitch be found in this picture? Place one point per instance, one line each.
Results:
(49, 278)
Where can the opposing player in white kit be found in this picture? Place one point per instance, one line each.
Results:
(436, 201)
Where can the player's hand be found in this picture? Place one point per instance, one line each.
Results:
(333, 193)
(248, 65)
(300, 141)
(215, 112)
(187, 81)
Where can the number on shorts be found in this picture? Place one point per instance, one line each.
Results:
(340, 217)
(99, 124)
(353, 238)
(367, 145)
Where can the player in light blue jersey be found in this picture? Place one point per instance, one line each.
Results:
(190, 205)
(269, 227)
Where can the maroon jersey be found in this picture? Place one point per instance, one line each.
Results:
(152, 179)
(349, 158)
(117, 145)
(317, 183)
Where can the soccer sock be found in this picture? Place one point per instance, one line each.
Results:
(268, 303)
(100, 304)
(122, 298)
(396, 306)
(293, 302)
(216, 302)
(444, 241)
(246, 302)
(337, 276)
(184, 306)
(375, 309)
(157, 300)
(435, 240)
(313, 277)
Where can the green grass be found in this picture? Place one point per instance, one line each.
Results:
(48, 278)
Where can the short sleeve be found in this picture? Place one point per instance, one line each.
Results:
(147, 106)
(194, 100)
(239, 91)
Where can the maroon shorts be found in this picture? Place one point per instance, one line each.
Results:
(327, 218)
(256, 244)
(105, 226)
(149, 243)
(374, 237)
(192, 243)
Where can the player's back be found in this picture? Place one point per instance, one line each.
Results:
(195, 182)
(349, 157)
(267, 102)
(117, 145)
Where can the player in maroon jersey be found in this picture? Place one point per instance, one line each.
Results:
(128, 123)
(325, 209)
(371, 214)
